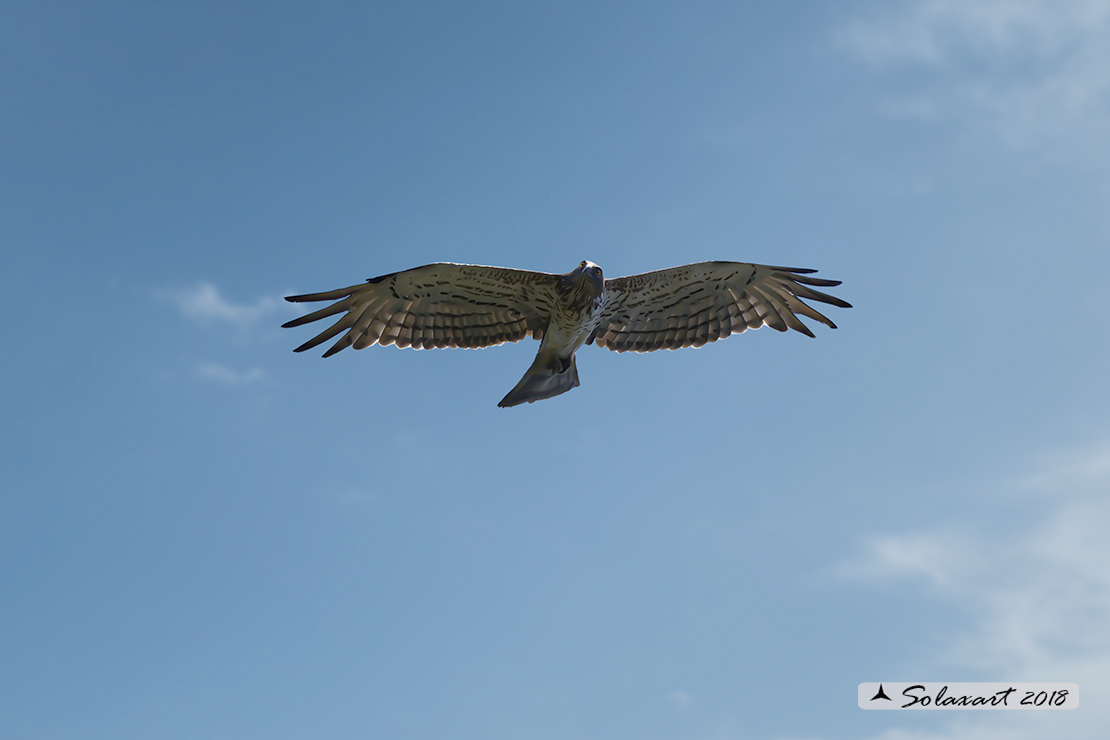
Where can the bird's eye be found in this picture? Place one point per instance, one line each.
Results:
(596, 271)
(583, 263)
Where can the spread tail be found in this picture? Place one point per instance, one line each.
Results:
(548, 376)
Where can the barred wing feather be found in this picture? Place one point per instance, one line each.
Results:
(694, 304)
(437, 305)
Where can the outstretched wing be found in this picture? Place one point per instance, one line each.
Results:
(438, 305)
(690, 305)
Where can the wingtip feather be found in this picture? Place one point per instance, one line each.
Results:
(798, 270)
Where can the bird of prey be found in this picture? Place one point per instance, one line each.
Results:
(470, 306)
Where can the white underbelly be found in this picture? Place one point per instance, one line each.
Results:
(564, 335)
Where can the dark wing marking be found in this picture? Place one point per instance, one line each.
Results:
(694, 304)
(438, 305)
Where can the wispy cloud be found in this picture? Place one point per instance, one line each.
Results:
(1036, 601)
(1033, 71)
(941, 31)
(204, 303)
(1086, 469)
(228, 376)
(681, 699)
(932, 558)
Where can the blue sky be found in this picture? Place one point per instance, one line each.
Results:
(205, 535)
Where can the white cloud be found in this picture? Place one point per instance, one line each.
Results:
(940, 31)
(932, 557)
(204, 303)
(1036, 600)
(228, 376)
(681, 699)
(1086, 469)
(1032, 71)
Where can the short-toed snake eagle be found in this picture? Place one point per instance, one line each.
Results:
(451, 305)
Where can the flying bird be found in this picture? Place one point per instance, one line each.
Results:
(470, 306)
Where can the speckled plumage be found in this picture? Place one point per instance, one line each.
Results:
(471, 306)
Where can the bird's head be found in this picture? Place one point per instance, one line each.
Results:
(590, 272)
(584, 284)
